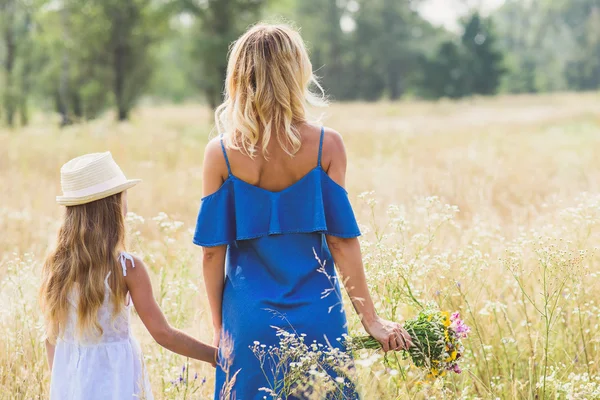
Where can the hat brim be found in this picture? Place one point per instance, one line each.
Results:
(76, 201)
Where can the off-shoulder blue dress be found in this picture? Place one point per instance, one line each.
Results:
(272, 276)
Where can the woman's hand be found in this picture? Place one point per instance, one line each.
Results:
(215, 342)
(216, 337)
(390, 334)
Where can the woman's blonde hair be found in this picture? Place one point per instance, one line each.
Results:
(266, 90)
(89, 242)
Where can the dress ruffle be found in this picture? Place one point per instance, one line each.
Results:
(241, 211)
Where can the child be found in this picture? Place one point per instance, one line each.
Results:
(89, 284)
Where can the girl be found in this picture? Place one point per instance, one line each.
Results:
(89, 284)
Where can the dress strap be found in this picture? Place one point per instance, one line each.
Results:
(225, 155)
(321, 146)
(123, 257)
(106, 280)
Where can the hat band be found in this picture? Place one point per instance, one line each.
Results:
(98, 188)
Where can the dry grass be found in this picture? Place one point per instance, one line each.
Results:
(523, 171)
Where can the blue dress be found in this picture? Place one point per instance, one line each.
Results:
(272, 279)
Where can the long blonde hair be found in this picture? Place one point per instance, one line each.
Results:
(89, 242)
(266, 90)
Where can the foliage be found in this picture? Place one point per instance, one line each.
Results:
(81, 58)
(473, 67)
(218, 23)
(551, 45)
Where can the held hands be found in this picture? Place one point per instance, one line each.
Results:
(391, 335)
(215, 343)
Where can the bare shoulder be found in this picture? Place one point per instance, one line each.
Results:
(213, 153)
(135, 266)
(334, 151)
(214, 170)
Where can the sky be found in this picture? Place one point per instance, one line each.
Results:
(447, 12)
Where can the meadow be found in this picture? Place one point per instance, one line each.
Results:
(490, 207)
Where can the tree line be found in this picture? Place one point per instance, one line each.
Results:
(81, 57)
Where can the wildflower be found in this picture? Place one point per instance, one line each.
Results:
(456, 369)
(436, 337)
(458, 326)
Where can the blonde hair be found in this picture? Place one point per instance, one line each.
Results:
(89, 242)
(266, 90)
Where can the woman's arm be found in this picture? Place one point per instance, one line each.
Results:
(348, 259)
(140, 288)
(213, 261)
(50, 353)
(214, 173)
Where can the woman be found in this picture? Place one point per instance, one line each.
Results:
(275, 210)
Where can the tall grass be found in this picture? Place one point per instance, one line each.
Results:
(489, 207)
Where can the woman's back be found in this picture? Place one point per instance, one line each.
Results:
(277, 170)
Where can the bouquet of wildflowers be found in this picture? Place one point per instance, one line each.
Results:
(436, 337)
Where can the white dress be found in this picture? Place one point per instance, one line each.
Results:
(106, 368)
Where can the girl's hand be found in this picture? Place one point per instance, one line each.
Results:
(390, 334)
(215, 358)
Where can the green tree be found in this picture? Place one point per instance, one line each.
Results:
(76, 73)
(385, 42)
(550, 45)
(16, 30)
(98, 54)
(483, 64)
(329, 46)
(583, 70)
(134, 26)
(365, 48)
(217, 24)
(445, 73)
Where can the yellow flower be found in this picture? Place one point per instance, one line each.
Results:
(452, 356)
(446, 316)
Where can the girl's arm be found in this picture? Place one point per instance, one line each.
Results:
(348, 259)
(214, 173)
(140, 288)
(50, 353)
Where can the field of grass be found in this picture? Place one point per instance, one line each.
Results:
(487, 206)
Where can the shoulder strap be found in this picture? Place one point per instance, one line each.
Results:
(321, 146)
(123, 257)
(106, 280)
(225, 155)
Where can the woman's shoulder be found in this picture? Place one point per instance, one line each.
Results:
(214, 149)
(332, 139)
(334, 150)
(215, 162)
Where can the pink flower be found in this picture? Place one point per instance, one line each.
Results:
(458, 326)
(455, 368)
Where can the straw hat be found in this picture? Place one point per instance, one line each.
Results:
(91, 177)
